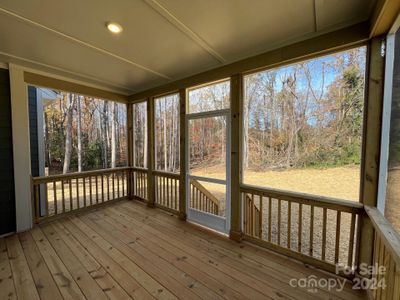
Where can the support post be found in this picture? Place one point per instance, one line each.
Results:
(182, 154)
(150, 156)
(235, 232)
(130, 150)
(371, 145)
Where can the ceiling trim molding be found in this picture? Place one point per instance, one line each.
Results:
(83, 43)
(170, 17)
(341, 39)
(68, 86)
(102, 82)
(384, 16)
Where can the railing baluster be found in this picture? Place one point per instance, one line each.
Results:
(70, 195)
(37, 201)
(260, 217)
(63, 196)
(90, 191)
(337, 242)
(46, 206)
(279, 221)
(311, 246)
(289, 224)
(108, 186)
(102, 188)
(299, 246)
(113, 185)
(269, 219)
(77, 193)
(55, 196)
(97, 189)
(118, 175)
(84, 191)
(323, 250)
(351, 240)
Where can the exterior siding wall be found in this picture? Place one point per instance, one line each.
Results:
(33, 130)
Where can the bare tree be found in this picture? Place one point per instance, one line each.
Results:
(79, 132)
(113, 135)
(68, 136)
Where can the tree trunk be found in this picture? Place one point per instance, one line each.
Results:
(113, 135)
(104, 135)
(68, 135)
(79, 134)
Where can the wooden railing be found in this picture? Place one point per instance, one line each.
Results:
(167, 190)
(59, 194)
(317, 230)
(139, 182)
(385, 281)
(202, 199)
(252, 212)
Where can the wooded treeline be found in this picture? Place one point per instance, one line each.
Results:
(207, 136)
(83, 133)
(166, 133)
(307, 114)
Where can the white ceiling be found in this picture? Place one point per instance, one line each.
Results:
(162, 40)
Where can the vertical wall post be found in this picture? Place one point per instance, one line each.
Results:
(182, 154)
(21, 148)
(150, 154)
(236, 100)
(371, 145)
(130, 149)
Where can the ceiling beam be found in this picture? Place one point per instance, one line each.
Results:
(323, 44)
(383, 16)
(170, 17)
(68, 86)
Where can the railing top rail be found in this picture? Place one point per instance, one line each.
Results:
(206, 192)
(51, 178)
(166, 174)
(333, 203)
(140, 169)
(386, 232)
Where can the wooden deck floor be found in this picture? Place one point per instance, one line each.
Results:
(126, 250)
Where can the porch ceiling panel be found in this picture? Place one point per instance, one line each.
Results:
(162, 40)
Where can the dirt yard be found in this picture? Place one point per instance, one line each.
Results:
(340, 182)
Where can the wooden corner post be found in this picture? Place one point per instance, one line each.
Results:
(371, 145)
(150, 157)
(182, 154)
(130, 149)
(235, 232)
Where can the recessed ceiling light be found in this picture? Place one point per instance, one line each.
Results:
(114, 27)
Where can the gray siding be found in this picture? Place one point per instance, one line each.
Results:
(33, 130)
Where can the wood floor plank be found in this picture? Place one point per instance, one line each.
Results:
(127, 282)
(110, 233)
(151, 285)
(86, 283)
(264, 282)
(7, 288)
(252, 255)
(44, 282)
(145, 242)
(65, 282)
(129, 251)
(220, 272)
(112, 289)
(23, 280)
(166, 266)
(270, 277)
